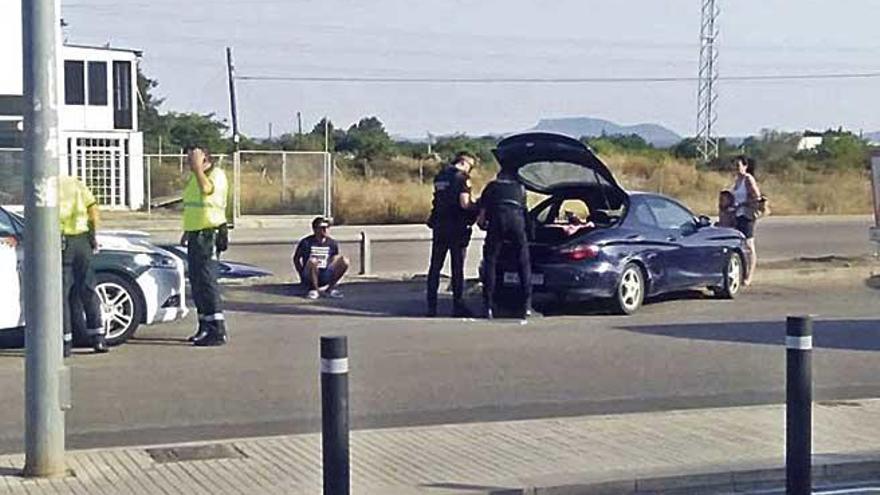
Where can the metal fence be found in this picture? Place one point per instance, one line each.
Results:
(284, 183)
(264, 182)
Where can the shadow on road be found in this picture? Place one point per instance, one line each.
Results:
(380, 299)
(859, 335)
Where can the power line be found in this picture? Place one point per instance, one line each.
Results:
(552, 80)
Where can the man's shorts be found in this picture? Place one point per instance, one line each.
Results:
(325, 275)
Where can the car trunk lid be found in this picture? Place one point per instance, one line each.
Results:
(547, 162)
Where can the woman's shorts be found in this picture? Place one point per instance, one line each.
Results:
(746, 226)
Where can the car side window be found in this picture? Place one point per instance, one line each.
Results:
(670, 215)
(643, 216)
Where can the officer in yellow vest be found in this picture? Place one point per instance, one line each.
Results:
(78, 212)
(205, 235)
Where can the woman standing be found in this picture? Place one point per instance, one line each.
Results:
(746, 196)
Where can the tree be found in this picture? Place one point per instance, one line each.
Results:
(187, 129)
(842, 150)
(369, 141)
(149, 119)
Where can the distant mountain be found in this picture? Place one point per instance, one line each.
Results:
(655, 134)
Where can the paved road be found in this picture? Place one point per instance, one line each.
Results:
(777, 237)
(406, 370)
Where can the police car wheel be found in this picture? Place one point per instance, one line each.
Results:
(121, 307)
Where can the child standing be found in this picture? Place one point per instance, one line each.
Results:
(726, 209)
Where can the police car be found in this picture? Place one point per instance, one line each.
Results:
(137, 282)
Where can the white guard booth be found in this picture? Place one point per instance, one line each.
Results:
(874, 232)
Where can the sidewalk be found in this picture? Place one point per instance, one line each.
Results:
(728, 449)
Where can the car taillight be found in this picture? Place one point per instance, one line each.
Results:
(580, 252)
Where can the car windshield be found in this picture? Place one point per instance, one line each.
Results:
(548, 175)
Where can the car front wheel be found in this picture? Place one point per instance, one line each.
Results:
(630, 291)
(732, 277)
(121, 307)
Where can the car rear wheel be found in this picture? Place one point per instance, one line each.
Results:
(732, 277)
(630, 291)
(121, 307)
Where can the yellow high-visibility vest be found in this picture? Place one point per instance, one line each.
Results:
(74, 200)
(205, 211)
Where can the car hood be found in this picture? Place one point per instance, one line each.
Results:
(546, 162)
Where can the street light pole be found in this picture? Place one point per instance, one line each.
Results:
(44, 370)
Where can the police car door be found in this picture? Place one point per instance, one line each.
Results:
(11, 314)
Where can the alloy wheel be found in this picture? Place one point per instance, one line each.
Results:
(630, 291)
(117, 308)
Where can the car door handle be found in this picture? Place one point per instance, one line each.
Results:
(635, 237)
(671, 238)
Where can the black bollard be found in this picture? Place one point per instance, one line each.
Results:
(798, 405)
(334, 414)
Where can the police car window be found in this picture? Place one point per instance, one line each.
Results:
(7, 227)
(669, 215)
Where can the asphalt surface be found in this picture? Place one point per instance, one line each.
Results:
(681, 352)
(777, 238)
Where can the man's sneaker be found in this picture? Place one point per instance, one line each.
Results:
(312, 294)
(335, 294)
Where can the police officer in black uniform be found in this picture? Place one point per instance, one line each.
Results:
(452, 214)
(503, 214)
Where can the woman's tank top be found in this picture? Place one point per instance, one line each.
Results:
(741, 196)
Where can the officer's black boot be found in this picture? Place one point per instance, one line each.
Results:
(459, 310)
(200, 334)
(527, 309)
(432, 309)
(99, 344)
(216, 335)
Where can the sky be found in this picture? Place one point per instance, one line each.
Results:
(184, 49)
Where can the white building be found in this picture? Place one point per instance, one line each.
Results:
(810, 140)
(97, 112)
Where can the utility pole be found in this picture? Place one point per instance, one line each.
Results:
(233, 103)
(707, 94)
(299, 123)
(45, 378)
(270, 131)
(326, 134)
(233, 210)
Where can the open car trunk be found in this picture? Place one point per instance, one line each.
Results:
(572, 175)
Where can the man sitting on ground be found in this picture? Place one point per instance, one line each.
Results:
(318, 262)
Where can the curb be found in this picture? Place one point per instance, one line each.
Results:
(827, 474)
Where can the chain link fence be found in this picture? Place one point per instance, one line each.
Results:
(265, 182)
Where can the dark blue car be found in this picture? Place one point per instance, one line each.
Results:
(591, 239)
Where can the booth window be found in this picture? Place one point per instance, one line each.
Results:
(97, 83)
(74, 82)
